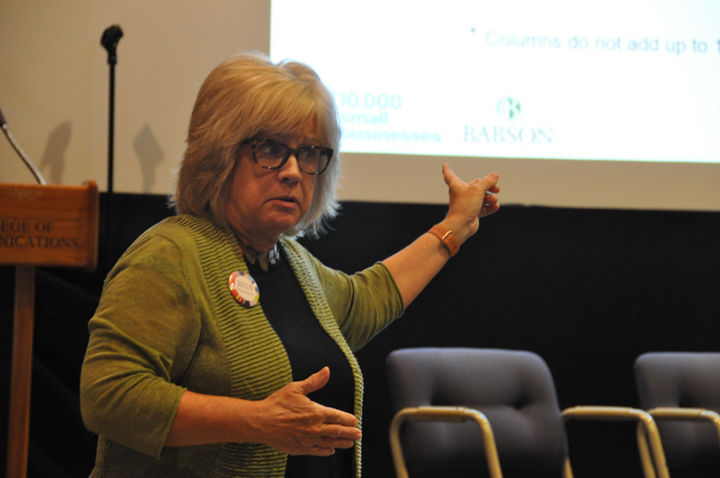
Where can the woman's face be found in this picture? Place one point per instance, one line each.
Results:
(264, 203)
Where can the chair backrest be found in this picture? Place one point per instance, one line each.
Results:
(514, 389)
(682, 379)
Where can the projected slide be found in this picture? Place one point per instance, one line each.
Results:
(613, 80)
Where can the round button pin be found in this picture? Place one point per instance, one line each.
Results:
(244, 288)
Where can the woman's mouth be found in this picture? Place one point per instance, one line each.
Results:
(286, 201)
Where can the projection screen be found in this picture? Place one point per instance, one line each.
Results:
(582, 104)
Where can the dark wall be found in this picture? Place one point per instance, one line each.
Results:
(588, 290)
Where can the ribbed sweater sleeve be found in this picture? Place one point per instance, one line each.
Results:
(142, 337)
(363, 303)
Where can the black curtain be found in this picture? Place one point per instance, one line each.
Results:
(588, 290)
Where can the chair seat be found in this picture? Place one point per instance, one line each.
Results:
(682, 392)
(510, 395)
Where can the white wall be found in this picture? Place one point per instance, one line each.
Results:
(54, 93)
(54, 83)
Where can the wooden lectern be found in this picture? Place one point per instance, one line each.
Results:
(39, 226)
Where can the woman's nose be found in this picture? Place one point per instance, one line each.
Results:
(290, 172)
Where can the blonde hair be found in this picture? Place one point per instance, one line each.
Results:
(247, 95)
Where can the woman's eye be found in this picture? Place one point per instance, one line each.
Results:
(271, 149)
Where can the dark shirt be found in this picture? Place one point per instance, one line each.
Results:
(309, 349)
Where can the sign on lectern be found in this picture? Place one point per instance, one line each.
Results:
(40, 225)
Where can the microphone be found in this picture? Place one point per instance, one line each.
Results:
(4, 126)
(109, 40)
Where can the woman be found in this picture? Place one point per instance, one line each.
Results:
(212, 348)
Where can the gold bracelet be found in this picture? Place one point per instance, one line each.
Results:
(447, 237)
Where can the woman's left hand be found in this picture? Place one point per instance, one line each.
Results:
(469, 202)
(415, 265)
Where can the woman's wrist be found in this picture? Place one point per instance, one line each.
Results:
(462, 230)
(446, 237)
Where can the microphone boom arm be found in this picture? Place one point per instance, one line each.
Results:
(38, 176)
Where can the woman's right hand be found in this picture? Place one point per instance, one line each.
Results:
(287, 420)
(290, 422)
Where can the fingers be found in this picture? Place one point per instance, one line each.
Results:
(325, 447)
(325, 415)
(338, 433)
(321, 440)
(336, 428)
(319, 450)
(315, 381)
(481, 190)
(333, 416)
(331, 438)
(316, 451)
(298, 425)
(448, 174)
(489, 181)
(490, 198)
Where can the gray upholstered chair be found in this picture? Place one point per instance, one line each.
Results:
(681, 390)
(471, 408)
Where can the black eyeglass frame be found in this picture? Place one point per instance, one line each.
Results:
(254, 141)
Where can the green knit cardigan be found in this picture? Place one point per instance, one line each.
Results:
(167, 322)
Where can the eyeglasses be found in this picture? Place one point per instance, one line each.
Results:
(271, 154)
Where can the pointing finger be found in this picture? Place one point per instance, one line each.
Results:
(448, 174)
